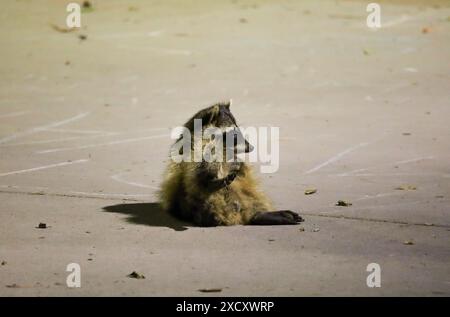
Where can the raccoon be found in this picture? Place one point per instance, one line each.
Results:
(219, 193)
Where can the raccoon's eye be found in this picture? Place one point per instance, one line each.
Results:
(235, 138)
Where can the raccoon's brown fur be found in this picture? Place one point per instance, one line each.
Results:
(217, 193)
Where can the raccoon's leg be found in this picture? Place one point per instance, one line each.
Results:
(206, 219)
(202, 210)
(218, 213)
(282, 217)
(218, 183)
(209, 177)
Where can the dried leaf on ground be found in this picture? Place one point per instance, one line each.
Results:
(310, 191)
(406, 187)
(87, 7)
(61, 29)
(343, 203)
(12, 286)
(210, 290)
(136, 275)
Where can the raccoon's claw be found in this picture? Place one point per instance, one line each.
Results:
(292, 215)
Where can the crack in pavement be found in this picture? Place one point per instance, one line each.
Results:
(399, 222)
(72, 195)
(105, 197)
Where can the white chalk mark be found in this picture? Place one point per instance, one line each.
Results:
(14, 114)
(337, 210)
(414, 160)
(395, 88)
(397, 204)
(401, 101)
(393, 174)
(148, 130)
(119, 179)
(81, 147)
(408, 50)
(60, 140)
(155, 33)
(129, 79)
(354, 172)
(43, 128)
(89, 136)
(128, 35)
(109, 194)
(336, 157)
(175, 52)
(379, 195)
(78, 131)
(103, 132)
(397, 21)
(410, 69)
(43, 167)
(332, 83)
(71, 193)
(158, 50)
(24, 187)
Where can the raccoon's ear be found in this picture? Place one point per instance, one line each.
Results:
(229, 104)
(207, 116)
(226, 104)
(212, 115)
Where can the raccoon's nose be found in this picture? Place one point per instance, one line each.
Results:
(248, 147)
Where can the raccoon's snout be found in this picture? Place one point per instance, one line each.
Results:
(248, 147)
(243, 146)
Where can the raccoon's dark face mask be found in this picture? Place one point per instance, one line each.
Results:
(234, 140)
(232, 137)
(220, 116)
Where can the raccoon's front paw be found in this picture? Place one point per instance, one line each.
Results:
(229, 178)
(282, 217)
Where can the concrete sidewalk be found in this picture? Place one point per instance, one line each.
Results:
(84, 139)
